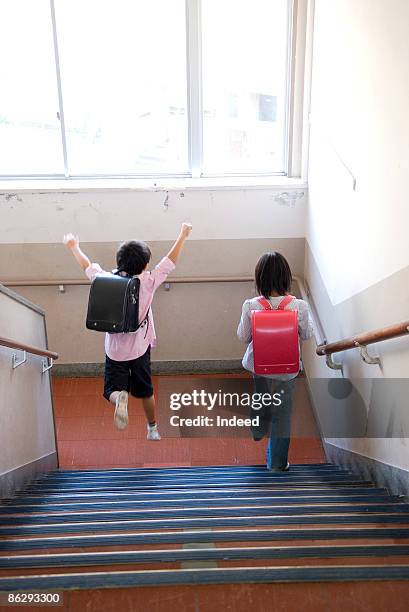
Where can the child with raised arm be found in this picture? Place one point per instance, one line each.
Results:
(128, 362)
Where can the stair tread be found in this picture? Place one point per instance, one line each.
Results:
(391, 506)
(214, 535)
(115, 579)
(181, 554)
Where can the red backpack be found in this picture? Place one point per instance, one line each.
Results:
(276, 346)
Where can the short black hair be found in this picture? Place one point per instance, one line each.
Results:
(132, 257)
(273, 274)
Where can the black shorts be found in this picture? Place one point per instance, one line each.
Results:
(133, 376)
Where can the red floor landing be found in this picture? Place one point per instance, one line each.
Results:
(87, 436)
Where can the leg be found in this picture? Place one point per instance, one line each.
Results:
(116, 387)
(262, 385)
(148, 404)
(141, 387)
(277, 449)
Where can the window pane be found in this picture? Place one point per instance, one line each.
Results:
(244, 85)
(123, 73)
(30, 137)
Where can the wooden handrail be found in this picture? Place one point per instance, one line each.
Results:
(27, 348)
(175, 279)
(378, 335)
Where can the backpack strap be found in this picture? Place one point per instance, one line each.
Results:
(265, 303)
(285, 301)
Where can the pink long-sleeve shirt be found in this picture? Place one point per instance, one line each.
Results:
(124, 347)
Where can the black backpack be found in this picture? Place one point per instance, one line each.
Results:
(113, 304)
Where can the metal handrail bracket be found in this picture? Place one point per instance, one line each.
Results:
(47, 364)
(333, 364)
(15, 362)
(366, 357)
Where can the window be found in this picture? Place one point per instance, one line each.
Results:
(30, 137)
(144, 87)
(123, 79)
(244, 54)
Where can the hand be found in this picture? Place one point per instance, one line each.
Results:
(71, 241)
(186, 229)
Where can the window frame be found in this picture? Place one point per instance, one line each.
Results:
(294, 130)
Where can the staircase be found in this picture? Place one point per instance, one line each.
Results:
(126, 528)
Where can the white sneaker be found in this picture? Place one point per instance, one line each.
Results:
(121, 410)
(153, 433)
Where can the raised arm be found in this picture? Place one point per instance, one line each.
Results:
(177, 247)
(72, 243)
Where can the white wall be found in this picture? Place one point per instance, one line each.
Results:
(115, 215)
(232, 228)
(26, 418)
(359, 111)
(357, 261)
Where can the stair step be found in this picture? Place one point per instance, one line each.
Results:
(232, 476)
(204, 535)
(196, 493)
(273, 482)
(181, 565)
(207, 522)
(184, 472)
(227, 544)
(210, 476)
(212, 511)
(189, 469)
(195, 503)
(201, 554)
(116, 579)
